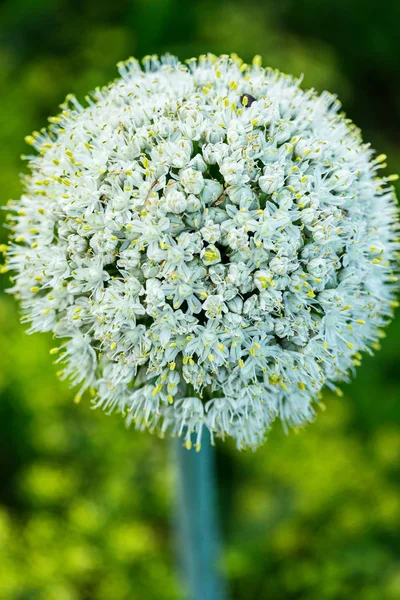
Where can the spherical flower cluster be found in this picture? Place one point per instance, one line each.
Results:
(211, 243)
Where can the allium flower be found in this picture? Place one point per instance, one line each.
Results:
(210, 242)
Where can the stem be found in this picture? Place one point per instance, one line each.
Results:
(197, 521)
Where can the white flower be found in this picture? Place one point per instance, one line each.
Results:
(214, 307)
(191, 180)
(207, 261)
(175, 201)
(273, 178)
(210, 255)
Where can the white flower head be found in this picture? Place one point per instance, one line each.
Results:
(210, 241)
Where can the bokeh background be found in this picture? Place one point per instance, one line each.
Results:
(85, 504)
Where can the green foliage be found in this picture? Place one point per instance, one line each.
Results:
(86, 504)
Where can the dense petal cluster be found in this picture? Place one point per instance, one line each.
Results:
(211, 243)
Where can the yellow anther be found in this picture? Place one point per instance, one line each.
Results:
(54, 350)
(257, 60)
(211, 254)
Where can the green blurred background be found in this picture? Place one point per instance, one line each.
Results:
(86, 505)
